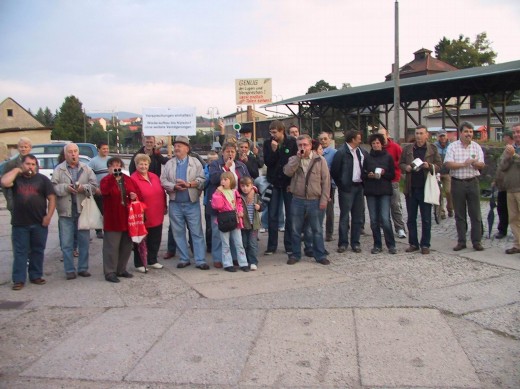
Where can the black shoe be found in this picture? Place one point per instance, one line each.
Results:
(478, 247)
(392, 250)
(328, 238)
(111, 277)
(204, 266)
(342, 249)
(182, 265)
(376, 250)
(309, 253)
(70, 276)
(292, 260)
(500, 235)
(125, 274)
(230, 269)
(356, 249)
(412, 249)
(84, 273)
(244, 268)
(323, 261)
(99, 234)
(459, 246)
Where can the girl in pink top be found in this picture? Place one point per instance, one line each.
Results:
(227, 198)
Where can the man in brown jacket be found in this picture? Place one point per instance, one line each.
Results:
(310, 188)
(415, 179)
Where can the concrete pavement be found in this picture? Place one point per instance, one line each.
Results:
(444, 320)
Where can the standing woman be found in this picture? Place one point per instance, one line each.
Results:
(378, 173)
(118, 190)
(152, 194)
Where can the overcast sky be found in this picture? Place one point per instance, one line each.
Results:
(123, 55)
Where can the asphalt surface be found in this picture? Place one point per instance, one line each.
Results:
(443, 320)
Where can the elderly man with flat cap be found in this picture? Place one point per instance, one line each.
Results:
(183, 179)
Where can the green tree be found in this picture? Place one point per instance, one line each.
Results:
(321, 86)
(462, 53)
(71, 121)
(45, 117)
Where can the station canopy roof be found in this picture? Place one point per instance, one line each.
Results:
(465, 82)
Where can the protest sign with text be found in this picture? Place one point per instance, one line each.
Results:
(253, 91)
(169, 121)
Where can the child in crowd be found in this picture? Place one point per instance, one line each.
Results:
(212, 156)
(227, 198)
(253, 205)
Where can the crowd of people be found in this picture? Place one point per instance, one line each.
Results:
(302, 176)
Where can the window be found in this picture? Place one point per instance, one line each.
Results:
(9, 112)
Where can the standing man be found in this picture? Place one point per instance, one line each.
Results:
(442, 144)
(183, 179)
(277, 152)
(415, 180)
(33, 204)
(396, 211)
(245, 156)
(294, 131)
(310, 186)
(157, 160)
(346, 169)
(24, 148)
(328, 153)
(464, 159)
(99, 165)
(510, 165)
(73, 181)
(503, 214)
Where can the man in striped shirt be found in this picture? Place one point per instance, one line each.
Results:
(465, 159)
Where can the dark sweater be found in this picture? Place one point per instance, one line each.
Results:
(382, 186)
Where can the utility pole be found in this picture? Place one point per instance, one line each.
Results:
(397, 97)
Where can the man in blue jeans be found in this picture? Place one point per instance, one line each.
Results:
(310, 188)
(73, 181)
(415, 180)
(277, 152)
(34, 202)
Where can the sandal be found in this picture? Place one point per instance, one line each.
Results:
(17, 285)
(38, 281)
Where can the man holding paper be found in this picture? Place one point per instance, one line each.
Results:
(417, 161)
(465, 158)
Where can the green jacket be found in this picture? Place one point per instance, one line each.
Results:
(256, 214)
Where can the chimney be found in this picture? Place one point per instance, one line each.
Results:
(249, 113)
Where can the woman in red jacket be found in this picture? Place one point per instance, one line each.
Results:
(152, 194)
(118, 190)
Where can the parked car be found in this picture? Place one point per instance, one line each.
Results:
(86, 149)
(48, 162)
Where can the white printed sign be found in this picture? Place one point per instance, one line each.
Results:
(169, 121)
(254, 91)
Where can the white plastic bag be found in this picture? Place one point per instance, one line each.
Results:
(90, 217)
(432, 192)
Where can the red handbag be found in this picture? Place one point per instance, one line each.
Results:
(136, 228)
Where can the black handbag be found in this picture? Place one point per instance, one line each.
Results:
(227, 221)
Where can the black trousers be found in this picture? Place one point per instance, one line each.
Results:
(503, 215)
(153, 242)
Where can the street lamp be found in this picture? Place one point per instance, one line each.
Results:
(211, 112)
(277, 98)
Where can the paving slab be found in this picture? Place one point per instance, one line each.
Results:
(410, 348)
(107, 348)
(202, 347)
(253, 283)
(475, 296)
(311, 348)
(501, 319)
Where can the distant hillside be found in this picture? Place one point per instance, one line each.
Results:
(108, 115)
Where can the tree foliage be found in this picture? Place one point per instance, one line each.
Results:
(321, 86)
(462, 53)
(45, 117)
(71, 121)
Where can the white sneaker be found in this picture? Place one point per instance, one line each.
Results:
(253, 267)
(281, 229)
(157, 266)
(141, 269)
(401, 234)
(262, 230)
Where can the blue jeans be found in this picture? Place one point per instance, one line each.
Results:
(307, 211)
(216, 242)
(250, 243)
(281, 217)
(28, 243)
(68, 227)
(279, 194)
(414, 202)
(351, 203)
(379, 210)
(236, 237)
(172, 246)
(182, 214)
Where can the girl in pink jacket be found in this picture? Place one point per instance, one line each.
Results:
(227, 198)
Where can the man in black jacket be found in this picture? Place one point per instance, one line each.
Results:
(157, 160)
(277, 152)
(346, 169)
